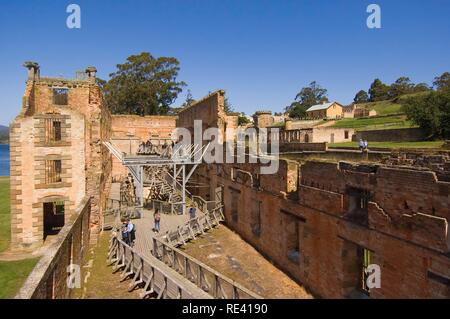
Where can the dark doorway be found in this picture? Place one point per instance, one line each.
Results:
(53, 218)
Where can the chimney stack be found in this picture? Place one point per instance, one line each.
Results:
(91, 72)
(33, 70)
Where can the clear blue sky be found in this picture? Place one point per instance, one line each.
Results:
(260, 52)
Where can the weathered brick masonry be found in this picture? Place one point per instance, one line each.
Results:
(57, 155)
(406, 227)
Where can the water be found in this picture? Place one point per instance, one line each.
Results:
(4, 160)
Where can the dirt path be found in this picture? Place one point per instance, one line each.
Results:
(229, 254)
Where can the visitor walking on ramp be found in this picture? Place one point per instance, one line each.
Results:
(131, 230)
(157, 220)
(125, 235)
(192, 212)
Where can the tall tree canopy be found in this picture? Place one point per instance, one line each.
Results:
(442, 82)
(431, 112)
(228, 108)
(401, 86)
(308, 96)
(143, 85)
(378, 91)
(189, 100)
(361, 97)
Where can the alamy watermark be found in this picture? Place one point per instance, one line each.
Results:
(374, 19)
(240, 145)
(74, 19)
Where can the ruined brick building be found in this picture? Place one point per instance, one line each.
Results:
(320, 218)
(56, 154)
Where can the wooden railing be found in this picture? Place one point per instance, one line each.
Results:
(204, 277)
(193, 228)
(154, 277)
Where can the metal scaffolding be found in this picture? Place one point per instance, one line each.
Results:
(178, 158)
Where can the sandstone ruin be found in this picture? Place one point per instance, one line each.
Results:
(323, 218)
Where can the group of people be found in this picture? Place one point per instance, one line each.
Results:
(129, 229)
(128, 232)
(363, 145)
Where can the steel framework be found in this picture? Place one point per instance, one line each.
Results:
(178, 158)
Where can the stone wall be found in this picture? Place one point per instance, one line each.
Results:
(85, 122)
(210, 111)
(406, 228)
(128, 131)
(332, 135)
(143, 127)
(302, 147)
(48, 280)
(392, 135)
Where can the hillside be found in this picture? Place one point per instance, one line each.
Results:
(4, 134)
(375, 123)
(389, 115)
(389, 106)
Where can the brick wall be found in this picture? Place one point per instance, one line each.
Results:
(393, 135)
(410, 245)
(86, 164)
(302, 147)
(48, 280)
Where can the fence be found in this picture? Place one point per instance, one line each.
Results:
(194, 227)
(211, 281)
(154, 276)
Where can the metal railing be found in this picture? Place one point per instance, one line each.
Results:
(150, 274)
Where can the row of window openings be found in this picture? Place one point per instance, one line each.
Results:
(292, 239)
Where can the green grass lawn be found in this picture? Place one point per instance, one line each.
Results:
(375, 123)
(383, 107)
(425, 144)
(13, 275)
(5, 233)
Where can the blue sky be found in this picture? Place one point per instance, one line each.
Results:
(261, 52)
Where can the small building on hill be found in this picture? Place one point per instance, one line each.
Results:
(331, 110)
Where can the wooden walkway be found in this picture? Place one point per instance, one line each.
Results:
(144, 233)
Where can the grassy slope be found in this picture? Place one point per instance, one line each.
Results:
(375, 123)
(12, 273)
(382, 107)
(4, 213)
(426, 144)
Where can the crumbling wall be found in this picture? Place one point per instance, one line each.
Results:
(143, 127)
(49, 278)
(410, 245)
(209, 110)
(85, 123)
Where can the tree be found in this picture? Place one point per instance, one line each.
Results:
(189, 100)
(228, 108)
(378, 91)
(143, 85)
(243, 120)
(312, 95)
(297, 110)
(401, 86)
(361, 97)
(421, 87)
(308, 96)
(442, 82)
(431, 112)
